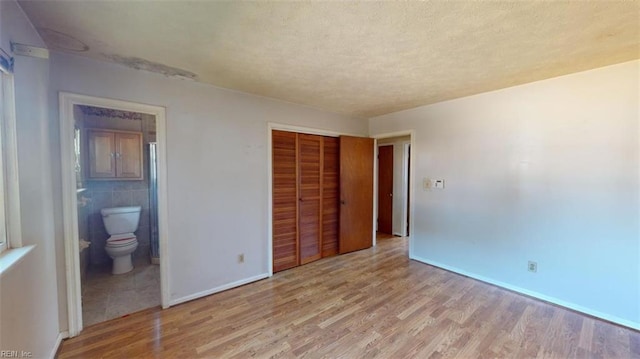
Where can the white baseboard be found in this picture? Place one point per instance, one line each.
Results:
(61, 335)
(219, 289)
(562, 303)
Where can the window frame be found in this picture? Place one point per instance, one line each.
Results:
(9, 164)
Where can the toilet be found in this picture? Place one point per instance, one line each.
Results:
(120, 223)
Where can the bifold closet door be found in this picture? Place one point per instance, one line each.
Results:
(310, 159)
(330, 196)
(285, 200)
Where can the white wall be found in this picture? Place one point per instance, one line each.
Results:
(217, 165)
(546, 171)
(28, 292)
(400, 182)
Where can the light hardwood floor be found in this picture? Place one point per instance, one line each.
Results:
(371, 303)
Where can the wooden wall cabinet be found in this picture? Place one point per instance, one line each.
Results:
(114, 155)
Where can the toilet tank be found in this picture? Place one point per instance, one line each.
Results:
(119, 220)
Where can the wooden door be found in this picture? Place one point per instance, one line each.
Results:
(285, 200)
(129, 155)
(385, 189)
(102, 154)
(330, 196)
(310, 196)
(356, 193)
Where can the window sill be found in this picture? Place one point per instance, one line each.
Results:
(13, 256)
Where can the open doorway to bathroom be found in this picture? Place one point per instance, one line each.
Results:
(116, 176)
(114, 195)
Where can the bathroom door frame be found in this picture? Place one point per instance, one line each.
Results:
(69, 196)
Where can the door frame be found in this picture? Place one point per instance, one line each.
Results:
(299, 129)
(67, 101)
(412, 135)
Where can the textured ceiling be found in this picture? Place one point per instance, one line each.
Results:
(357, 58)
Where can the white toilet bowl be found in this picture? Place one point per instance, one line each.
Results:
(120, 223)
(119, 247)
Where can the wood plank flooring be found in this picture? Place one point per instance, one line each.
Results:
(371, 303)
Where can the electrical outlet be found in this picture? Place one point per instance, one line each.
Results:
(241, 258)
(532, 267)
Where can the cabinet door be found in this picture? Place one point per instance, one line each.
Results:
(285, 200)
(310, 196)
(102, 161)
(129, 155)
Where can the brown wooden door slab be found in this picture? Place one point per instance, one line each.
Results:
(385, 189)
(285, 200)
(330, 196)
(310, 196)
(356, 193)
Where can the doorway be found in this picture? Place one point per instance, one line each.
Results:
(385, 190)
(116, 172)
(394, 184)
(101, 159)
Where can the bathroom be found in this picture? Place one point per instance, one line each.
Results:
(117, 212)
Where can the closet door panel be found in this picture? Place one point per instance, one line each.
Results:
(285, 200)
(330, 196)
(356, 193)
(310, 196)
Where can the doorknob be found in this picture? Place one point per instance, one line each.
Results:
(390, 194)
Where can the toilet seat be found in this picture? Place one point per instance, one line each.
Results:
(121, 240)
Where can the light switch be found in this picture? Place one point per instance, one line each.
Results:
(438, 184)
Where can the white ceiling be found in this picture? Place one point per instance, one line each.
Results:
(357, 58)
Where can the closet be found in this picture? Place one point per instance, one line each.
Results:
(307, 201)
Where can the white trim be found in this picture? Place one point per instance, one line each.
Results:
(69, 198)
(406, 156)
(562, 303)
(13, 256)
(269, 200)
(374, 230)
(308, 130)
(12, 185)
(54, 351)
(289, 128)
(412, 134)
(218, 289)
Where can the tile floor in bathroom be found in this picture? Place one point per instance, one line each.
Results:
(106, 296)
